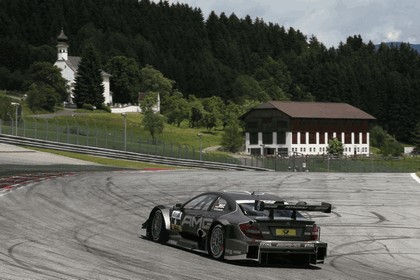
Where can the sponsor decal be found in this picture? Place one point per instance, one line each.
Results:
(283, 245)
(176, 227)
(176, 215)
(200, 222)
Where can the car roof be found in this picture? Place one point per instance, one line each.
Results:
(233, 196)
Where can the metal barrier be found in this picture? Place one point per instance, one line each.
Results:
(118, 154)
(127, 143)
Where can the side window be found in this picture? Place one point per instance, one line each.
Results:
(200, 203)
(220, 205)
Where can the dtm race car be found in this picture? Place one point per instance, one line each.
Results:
(241, 226)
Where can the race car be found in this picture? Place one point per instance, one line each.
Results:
(241, 226)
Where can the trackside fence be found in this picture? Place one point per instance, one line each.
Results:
(128, 141)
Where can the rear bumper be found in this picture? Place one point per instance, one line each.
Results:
(261, 251)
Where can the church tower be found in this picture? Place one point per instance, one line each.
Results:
(62, 46)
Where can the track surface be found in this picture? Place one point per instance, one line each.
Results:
(86, 226)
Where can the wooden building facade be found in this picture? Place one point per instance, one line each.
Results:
(286, 128)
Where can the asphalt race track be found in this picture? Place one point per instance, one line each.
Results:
(86, 226)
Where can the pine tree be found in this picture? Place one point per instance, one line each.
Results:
(125, 79)
(89, 88)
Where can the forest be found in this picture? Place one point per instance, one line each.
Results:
(235, 59)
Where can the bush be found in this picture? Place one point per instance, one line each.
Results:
(5, 107)
(42, 97)
(232, 139)
(88, 107)
(106, 108)
(392, 148)
(388, 145)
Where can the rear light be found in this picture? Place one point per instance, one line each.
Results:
(315, 233)
(251, 231)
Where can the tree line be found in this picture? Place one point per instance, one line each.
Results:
(238, 60)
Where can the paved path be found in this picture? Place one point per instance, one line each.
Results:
(15, 155)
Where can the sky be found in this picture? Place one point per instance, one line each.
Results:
(330, 21)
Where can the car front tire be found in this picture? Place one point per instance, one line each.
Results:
(158, 232)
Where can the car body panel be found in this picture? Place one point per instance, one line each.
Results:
(189, 226)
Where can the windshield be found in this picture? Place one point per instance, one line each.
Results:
(248, 209)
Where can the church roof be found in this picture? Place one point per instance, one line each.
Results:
(315, 110)
(73, 63)
(62, 37)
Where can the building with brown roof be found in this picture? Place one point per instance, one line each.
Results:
(286, 127)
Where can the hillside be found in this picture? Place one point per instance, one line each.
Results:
(234, 58)
(415, 47)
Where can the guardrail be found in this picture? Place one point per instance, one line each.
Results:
(118, 154)
(132, 140)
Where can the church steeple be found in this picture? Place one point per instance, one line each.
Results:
(62, 46)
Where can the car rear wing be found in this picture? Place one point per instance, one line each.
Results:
(261, 205)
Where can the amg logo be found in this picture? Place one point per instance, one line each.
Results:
(197, 222)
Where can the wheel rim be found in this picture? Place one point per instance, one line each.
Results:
(156, 225)
(216, 242)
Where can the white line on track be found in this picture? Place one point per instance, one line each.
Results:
(415, 177)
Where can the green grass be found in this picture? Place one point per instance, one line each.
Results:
(404, 164)
(184, 138)
(107, 161)
(182, 135)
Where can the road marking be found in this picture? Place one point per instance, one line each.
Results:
(415, 177)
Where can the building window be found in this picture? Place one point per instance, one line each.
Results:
(312, 137)
(347, 137)
(302, 138)
(294, 137)
(364, 138)
(356, 138)
(283, 151)
(267, 138)
(281, 137)
(321, 138)
(253, 138)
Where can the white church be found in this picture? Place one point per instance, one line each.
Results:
(70, 64)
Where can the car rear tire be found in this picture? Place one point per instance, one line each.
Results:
(216, 242)
(158, 232)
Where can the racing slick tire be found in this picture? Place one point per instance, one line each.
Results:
(157, 231)
(216, 242)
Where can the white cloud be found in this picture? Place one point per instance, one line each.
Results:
(393, 35)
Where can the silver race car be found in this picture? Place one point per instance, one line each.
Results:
(241, 226)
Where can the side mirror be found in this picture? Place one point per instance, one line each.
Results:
(178, 206)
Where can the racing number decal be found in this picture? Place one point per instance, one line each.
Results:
(176, 215)
(176, 220)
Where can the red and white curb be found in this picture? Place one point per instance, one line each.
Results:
(7, 184)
